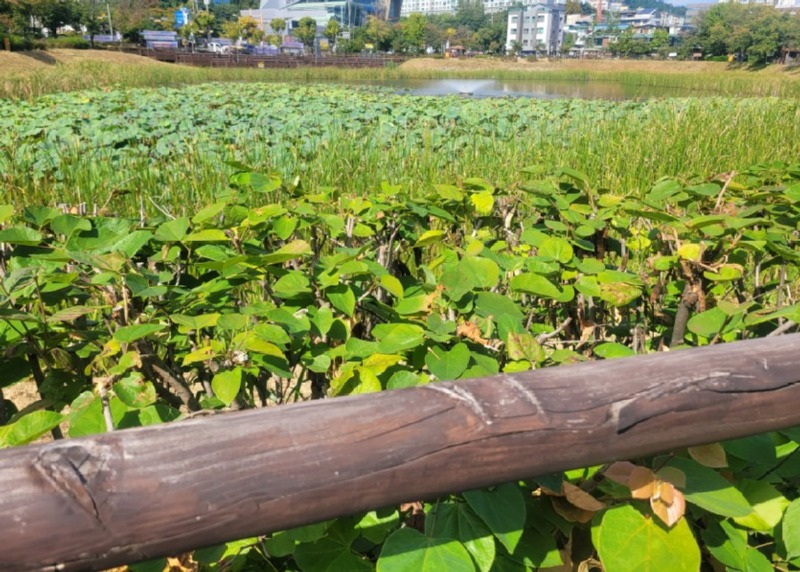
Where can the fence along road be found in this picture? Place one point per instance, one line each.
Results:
(96, 502)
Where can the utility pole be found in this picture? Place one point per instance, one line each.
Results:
(110, 25)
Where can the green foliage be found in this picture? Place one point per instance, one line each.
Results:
(272, 294)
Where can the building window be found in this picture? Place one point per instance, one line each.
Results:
(540, 31)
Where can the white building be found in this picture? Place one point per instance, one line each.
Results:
(450, 6)
(538, 28)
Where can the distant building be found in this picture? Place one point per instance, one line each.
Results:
(450, 6)
(347, 12)
(537, 28)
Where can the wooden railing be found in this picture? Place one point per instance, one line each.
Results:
(95, 502)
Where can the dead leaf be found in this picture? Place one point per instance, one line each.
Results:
(642, 483)
(472, 332)
(581, 499)
(668, 503)
(570, 512)
(712, 455)
(620, 472)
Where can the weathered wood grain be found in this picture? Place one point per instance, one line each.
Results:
(94, 502)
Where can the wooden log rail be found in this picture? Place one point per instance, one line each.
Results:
(96, 502)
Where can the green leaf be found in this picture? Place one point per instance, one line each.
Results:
(226, 384)
(396, 338)
(208, 212)
(29, 427)
(331, 553)
(491, 304)
(295, 249)
(459, 522)
(524, 346)
(291, 284)
(613, 350)
(128, 334)
(502, 509)
(22, 235)
(407, 550)
(768, 505)
(392, 285)
(791, 529)
(447, 365)
(173, 230)
(67, 224)
(707, 489)
(86, 415)
(535, 284)
(71, 313)
(482, 272)
(134, 391)
(708, 323)
(376, 525)
(6, 212)
(628, 541)
(342, 298)
(557, 249)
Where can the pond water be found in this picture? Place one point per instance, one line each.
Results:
(538, 89)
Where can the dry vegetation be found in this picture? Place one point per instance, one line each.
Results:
(14, 63)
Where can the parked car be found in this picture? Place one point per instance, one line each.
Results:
(214, 48)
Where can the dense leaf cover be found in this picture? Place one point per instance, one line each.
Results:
(273, 294)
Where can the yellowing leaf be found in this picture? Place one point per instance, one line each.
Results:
(620, 472)
(690, 251)
(483, 202)
(712, 455)
(429, 237)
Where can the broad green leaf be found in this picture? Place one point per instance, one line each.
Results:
(173, 230)
(392, 285)
(613, 350)
(22, 235)
(6, 211)
(207, 213)
(343, 299)
(459, 522)
(376, 525)
(86, 415)
(791, 529)
(134, 391)
(768, 505)
(67, 224)
(482, 272)
(524, 346)
(407, 550)
(291, 284)
(535, 284)
(332, 553)
(158, 413)
(502, 509)
(396, 338)
(619, 293)
(707, 489)
(556, 249)
(536, 550)
(295, 249)
(226, 384)
(708, 323)
(448, 365)
(29, 427)
(494, 305)
(628, 541)
(128, 334)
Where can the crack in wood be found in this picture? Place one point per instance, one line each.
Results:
(75, 471)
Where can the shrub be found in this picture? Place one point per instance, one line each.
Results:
(70, 42)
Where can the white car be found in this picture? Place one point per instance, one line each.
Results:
(214, 48)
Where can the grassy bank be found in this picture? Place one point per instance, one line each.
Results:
(150, 149)
(28, 76)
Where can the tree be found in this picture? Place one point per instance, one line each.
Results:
(54, 14)
(245, 27)
(379, 33)
(414, 32)
(278, 25)
(573, 7)
(470, 13)
(332, 30)
(306, 30)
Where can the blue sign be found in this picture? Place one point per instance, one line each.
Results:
(181, 17)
